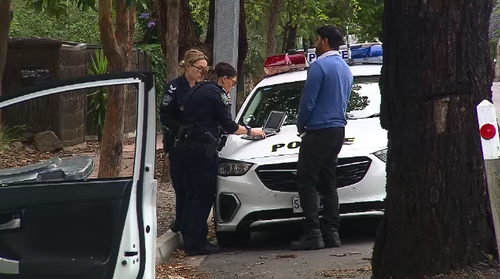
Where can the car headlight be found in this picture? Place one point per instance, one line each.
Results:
(233, 168)
(381, 154)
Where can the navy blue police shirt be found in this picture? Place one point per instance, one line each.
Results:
(206, 109)
(171, 115)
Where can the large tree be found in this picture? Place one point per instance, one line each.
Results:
(170, 44)
(187, 35)
(172, 38)
(117, 44)
(437, 69)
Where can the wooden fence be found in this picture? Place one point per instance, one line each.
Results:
(64, 114)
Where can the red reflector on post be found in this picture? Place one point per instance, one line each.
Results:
(488, 131)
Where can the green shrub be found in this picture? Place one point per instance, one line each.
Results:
(99, 98)
(8, 135)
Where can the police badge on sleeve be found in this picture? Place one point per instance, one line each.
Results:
(167, 98)
(223, 96)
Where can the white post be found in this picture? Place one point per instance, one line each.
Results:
(490, 143)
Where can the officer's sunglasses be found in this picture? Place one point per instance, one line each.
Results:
(233, 80)
(200, 68)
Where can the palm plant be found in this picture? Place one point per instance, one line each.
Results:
(8, 135)
(99, 97)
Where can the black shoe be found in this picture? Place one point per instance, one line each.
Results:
(331, 239)
(174, 227)
(308, 242)
(208, 248)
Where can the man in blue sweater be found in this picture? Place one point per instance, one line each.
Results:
(321, 123)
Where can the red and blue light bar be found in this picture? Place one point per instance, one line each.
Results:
(293, 60)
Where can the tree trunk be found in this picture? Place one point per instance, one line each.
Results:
(209, 41)
(117, 47)
(187, 35)
(172, 37)
(272, 21)
(172, 46)
(285, 33)
(291, 40)
(161, 8)
(436, 71)
(5, 18)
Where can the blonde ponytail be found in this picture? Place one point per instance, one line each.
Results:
(209, 74)
(182, 67)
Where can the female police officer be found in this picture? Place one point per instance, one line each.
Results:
(205, 113)
(171, 117)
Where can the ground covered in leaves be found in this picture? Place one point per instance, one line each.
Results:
(177, 268)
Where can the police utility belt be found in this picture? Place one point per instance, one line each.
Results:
(213, 145)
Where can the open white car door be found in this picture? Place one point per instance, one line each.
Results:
(90, 228)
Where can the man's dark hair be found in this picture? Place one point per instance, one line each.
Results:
(333, 34)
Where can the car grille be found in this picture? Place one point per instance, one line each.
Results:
(281, 177)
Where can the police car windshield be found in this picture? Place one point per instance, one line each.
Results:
(364, 101)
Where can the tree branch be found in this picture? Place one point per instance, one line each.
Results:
(258, 4)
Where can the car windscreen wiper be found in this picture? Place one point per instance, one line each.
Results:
(366, 117)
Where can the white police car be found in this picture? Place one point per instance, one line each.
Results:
(256, 183)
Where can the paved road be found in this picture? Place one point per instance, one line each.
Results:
(268, 256)
(496, 96)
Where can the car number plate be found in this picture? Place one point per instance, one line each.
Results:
(298, 209)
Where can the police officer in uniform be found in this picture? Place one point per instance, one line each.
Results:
(205, 114)
(171, 117)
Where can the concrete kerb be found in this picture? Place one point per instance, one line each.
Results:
(168, 242)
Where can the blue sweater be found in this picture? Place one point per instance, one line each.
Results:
(325, 95)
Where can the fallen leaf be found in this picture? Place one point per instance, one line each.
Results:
(286, 256)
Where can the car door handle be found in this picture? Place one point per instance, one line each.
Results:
(12, 224)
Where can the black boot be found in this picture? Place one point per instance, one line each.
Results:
(308, 241)
(174, 226)
(206, 249)
(331, 237)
